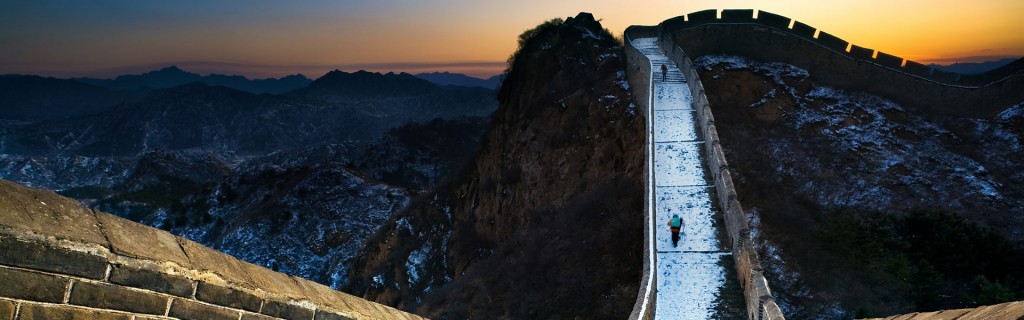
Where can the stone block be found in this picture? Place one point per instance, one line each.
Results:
(803, 30)
(256, 316)
(888, 60)
(137, 240)
(34, 286)
(832, 42)
(323, 315)
(47, 213)
(272, 281)
(702, 17)
(31, 254)
(738, 15)
(7, 308)
(193, 310)
(228, 297)
(108, 296)
(773, 20)
(32, 311)
(861, 53)
(151, 280)
(322, 294)
(225, 266)
(675, 23)
(917, 69)
(286, 311)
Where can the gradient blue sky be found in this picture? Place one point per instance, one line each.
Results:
(273, 38)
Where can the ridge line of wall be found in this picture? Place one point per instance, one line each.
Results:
(841, 46)
(638, 74)
(835, 62)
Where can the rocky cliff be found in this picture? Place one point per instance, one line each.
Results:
(546, 221)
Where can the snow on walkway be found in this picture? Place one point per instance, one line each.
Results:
(691, 276)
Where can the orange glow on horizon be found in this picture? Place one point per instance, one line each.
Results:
(473, 37)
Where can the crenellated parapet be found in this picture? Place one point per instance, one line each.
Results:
(59, 260)
(832, 61)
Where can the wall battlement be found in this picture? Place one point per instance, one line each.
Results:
(766, 36)
(799, 29)
(59, 260)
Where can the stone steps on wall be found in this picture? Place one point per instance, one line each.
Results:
(696, 279)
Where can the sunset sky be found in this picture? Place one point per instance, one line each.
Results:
(260, 38)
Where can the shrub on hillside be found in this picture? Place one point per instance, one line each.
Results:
(941, 259)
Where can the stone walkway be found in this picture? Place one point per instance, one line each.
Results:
(696, 278)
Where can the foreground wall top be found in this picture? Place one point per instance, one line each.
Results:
(59, 260)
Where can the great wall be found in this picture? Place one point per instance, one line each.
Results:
(830, 60)
(59, 260)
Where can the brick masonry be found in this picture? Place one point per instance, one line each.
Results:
(177, 285)
(32, 286)
(36, 256)
(109, 296)
(34, 311)
(191, 310)
(228, 297)
(59, 260)
(286, 311)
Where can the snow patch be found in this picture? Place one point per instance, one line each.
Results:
(416, 263)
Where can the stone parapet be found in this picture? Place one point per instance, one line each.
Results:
(638, 73)
(59, 260)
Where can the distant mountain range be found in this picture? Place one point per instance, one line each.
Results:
(173, 76)
(56, 117)
(458, 79)
(975, 67)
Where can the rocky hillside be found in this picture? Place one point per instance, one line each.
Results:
(546, 220)
(291, 182)
(866, 207)
(304, 212)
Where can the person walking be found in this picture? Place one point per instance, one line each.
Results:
(664, 73)
(675, 224)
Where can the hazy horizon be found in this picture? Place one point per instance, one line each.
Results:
(261, 39)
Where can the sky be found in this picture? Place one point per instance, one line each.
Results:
(259, 38)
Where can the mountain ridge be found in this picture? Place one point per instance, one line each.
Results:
(457, 79)
(173, 76)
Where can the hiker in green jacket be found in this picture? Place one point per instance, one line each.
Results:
(675, 224)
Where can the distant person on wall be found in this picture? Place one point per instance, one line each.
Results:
(675, 224)
(664, 73)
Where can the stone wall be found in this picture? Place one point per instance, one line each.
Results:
(638, 73)
(760, 303)
(835, 62)
(59, 260)
(1009, 310)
